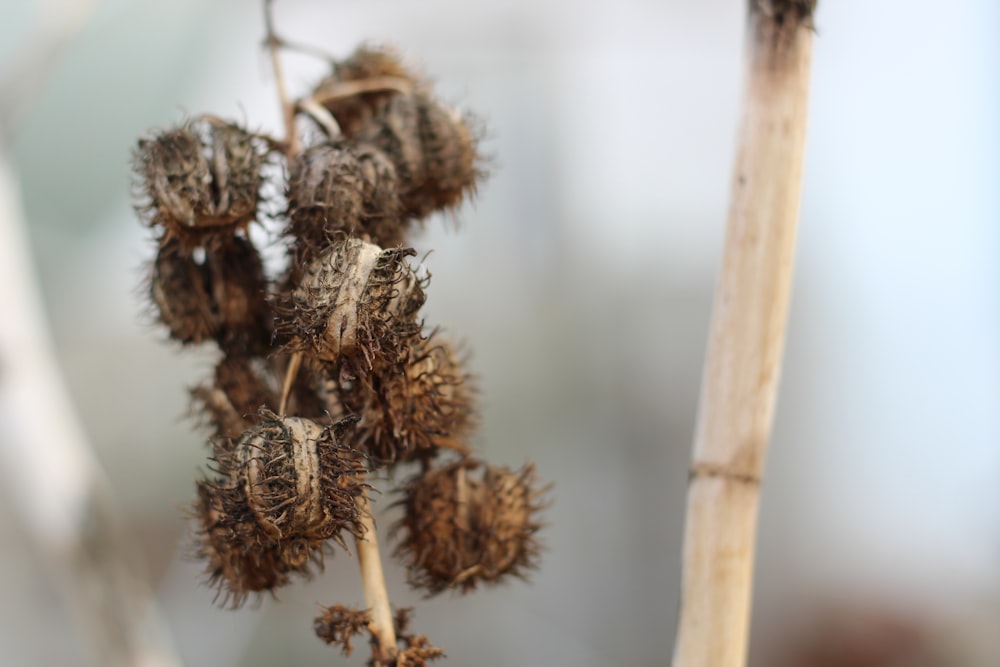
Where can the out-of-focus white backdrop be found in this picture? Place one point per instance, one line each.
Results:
(582, 278)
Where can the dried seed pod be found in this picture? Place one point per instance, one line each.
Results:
(355, 301)
(285, 488)
(354, 110)
(200, 179)
(240, 560)
(338, 191)
(325, 196)
(222, 297)
(297, 479)
(460, 531)
(415, 410)
(179, 291)
(232, 402)
(239, 292)
(395, 130)
(451, 160)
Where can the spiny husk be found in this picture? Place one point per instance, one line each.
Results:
(298, 479)
(337, 191)
(353, 112)
(223, 297)
(200, 179)
(286, 487)
(231, 403)
(355, 303)
(459, 531)
(179, 290)
(239, 293)
(433, 148)
(414, 410)
(451, 159)
(240, 559)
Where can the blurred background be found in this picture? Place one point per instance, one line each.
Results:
(582, 278)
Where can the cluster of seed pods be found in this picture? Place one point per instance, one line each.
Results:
(327, 375)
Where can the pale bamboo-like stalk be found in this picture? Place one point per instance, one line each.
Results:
(373, 583)
(746, 340)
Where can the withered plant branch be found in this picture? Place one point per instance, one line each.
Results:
(287, 106)
(293, 370)
(746, 340)
(373, 582)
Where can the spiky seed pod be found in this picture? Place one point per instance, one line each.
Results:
(200, 179)
(285, 488)
(395, 130)
(415, 410)
(297, 479)
(240, 560)
(451, 159)
(239, 292)
(353, 112)
(325, 197)
(355, 301)
(231, 403)
(381, 221)
(459, 531)
(179, 291)
(338, 191)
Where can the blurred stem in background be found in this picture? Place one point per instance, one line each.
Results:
(62, 494)
(746, 340)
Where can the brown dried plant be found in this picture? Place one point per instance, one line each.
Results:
(327, 376)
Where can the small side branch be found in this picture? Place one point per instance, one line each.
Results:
(373, 581)
(274, 45)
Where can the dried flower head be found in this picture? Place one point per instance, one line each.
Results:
(459, 531)
(354, 301)
(231, 403)
(200, 179)
(415, 410)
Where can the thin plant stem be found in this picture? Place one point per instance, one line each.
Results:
(373, 583)
(746, 340)
(290, 373)
(287, 106)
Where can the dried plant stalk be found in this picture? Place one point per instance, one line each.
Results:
(373, 583)
(746, 340)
